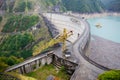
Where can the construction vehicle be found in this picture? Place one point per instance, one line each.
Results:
(61, 38)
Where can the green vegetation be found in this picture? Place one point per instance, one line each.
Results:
(112, 5)
(29, 5)
(81, 6)
(16, 5)
(43, 72)
(49, 5)
(39, 34)
(110, 75)
(19, 76)
(19, 23)
(3, 64)
(10, 5)
(8, 61)
(22, 5)
(16, 47)
(15, 44)
(12, 49)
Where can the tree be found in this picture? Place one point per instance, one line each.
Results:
(110, 75)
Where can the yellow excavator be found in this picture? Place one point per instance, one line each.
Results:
(58, 39)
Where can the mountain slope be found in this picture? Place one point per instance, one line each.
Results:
(81, 6)
(112, 5)
(115, 6)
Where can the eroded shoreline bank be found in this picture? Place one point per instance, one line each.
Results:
(94, 15)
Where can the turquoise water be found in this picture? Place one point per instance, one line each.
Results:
(110, 27)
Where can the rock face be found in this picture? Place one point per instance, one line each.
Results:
(2, 4)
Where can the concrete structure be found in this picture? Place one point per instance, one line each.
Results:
(47, 58)
(31, 64)
(85, 69)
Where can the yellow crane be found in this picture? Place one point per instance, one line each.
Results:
(58, 39)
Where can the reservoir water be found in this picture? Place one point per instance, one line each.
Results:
(110, 29)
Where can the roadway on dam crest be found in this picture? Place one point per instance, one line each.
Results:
(85, 70)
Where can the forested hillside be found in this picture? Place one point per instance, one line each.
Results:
(12, 49)
(21, 29)
(115, 6)
(112, 5)
(81, 6)
(22, 38)
(17, 23)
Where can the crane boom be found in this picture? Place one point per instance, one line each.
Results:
(59, 39)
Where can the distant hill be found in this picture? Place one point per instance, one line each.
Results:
(112, 5)
(84, 6)
(13, 6)
(81, 6)
(115, 6)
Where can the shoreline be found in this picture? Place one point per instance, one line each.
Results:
(94, 15)
(107, 52)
